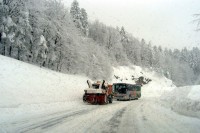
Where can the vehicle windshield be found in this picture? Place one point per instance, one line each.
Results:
(120, 88)
(95, 86)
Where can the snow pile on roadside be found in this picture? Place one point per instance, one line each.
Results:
(155, 88)
(194, 93)
(27, 89)
(184, 100)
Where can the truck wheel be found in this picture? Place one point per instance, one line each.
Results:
(84, 98)
(129, 98)
(110, 99)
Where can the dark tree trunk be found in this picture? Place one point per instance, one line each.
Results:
(10, 50)
(0, 37)
(60, 67)
(60, 58)
(4, 49)
(57, 66)
(43, 64)
(18, 57)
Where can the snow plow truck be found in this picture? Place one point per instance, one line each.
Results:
(98, 93)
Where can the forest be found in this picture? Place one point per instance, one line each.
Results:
(50, 35)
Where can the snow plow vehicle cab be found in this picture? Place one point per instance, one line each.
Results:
(98, 93)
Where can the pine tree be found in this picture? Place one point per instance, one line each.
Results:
(123, 34)
(195, 60)
(84, 21)
(184, 55)
(76, 13)
(156, 58)
(79, 17)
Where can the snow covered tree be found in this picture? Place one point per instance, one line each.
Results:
(23, 33)
(150, 54)
(1, 25)
(84, 21)
(75, 12)
(16, 29)
(184, 55)
(113, 37)
(98, 32)
(195, 60)
(42, 51)
(5, 23)
(123, 34)
(156, 59)
(144, 54)
(137, 52)
(79, 16)
(176, 53)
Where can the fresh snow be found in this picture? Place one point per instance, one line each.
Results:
(3, 35)
(9, 21)
(27, 89)
(11, 36)
(43, 41)
(184, 100)
(34, 99)
(194, 94)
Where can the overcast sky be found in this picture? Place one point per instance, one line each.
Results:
(168, 23)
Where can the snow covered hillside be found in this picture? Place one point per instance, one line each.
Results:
(27, 90)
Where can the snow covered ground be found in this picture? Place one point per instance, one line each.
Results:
(26, 89)
(184, 100)
(34, 99)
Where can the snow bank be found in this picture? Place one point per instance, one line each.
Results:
(184, 100)
(194, 93)
(27, 89)
(155, 88)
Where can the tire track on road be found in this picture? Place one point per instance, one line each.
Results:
(51, 122)
(115, 121)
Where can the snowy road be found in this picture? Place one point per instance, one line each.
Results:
(137, 116)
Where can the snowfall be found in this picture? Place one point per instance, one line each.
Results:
(34, 99)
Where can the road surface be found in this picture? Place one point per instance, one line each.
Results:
(145, 115)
